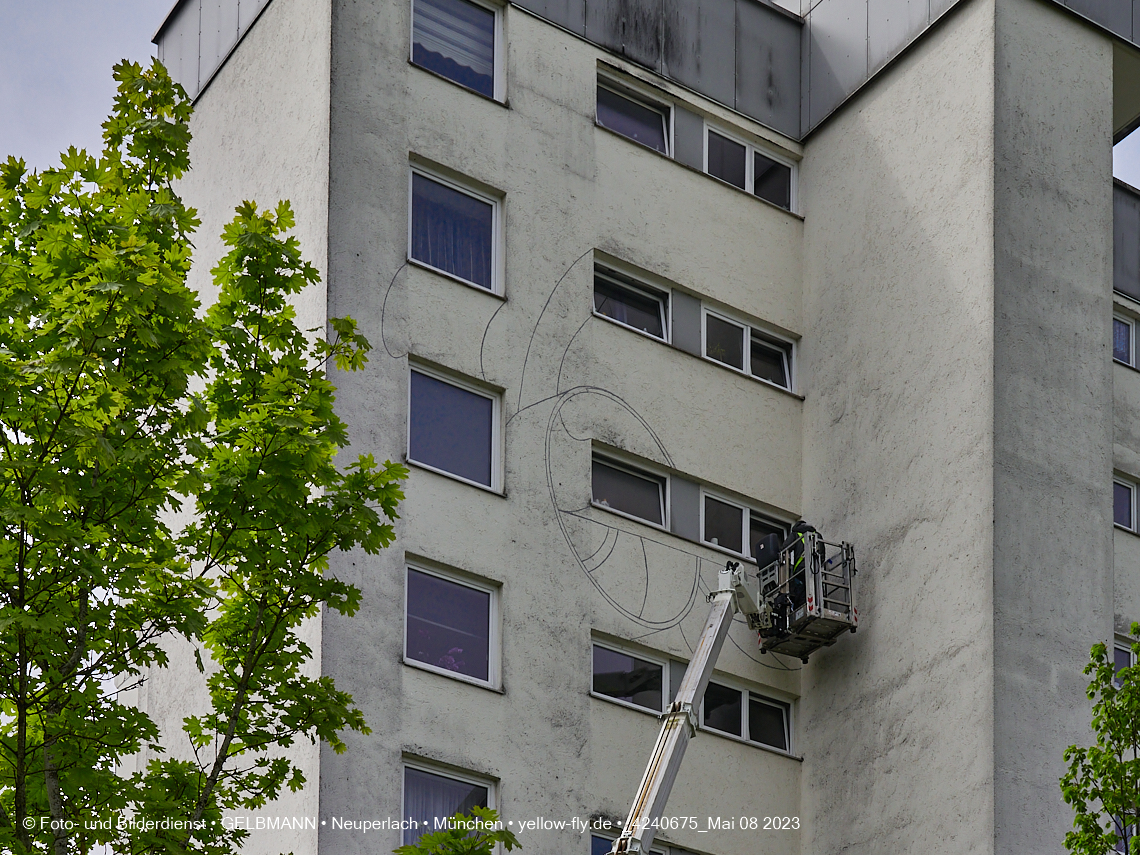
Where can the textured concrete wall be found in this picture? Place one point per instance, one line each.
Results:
(898, 449)
(261, 133)
(568, 380)
(1053, 395)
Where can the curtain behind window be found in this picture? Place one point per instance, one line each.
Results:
(428, 796)
(451, 231)
(456, 39)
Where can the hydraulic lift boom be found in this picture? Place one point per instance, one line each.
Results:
(820, 608)
(680, 720)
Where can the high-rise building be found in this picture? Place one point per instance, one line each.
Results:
(647, 279)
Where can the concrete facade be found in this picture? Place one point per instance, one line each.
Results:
(945, 279)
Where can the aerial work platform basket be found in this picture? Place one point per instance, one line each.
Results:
(807, 593)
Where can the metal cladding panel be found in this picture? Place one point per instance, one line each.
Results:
(570, 14)
(939, 7)
(630, 28)
(219, 34)
(891, 25)
(685, 508)
(688, 138)
(247, 11)
(1126, 241)
(179, 45)
(700, 46)
(686, 322)
(838, 59)
(768, 66)
(1114, 15)
(1136, 21)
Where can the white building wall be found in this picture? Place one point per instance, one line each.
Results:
(898, 449)
(934, 430)
(260, 132)
(568, 380)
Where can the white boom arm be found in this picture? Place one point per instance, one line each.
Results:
(680, 720)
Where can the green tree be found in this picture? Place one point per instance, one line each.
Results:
(1103, 781)
(102, 441)
(476, 834)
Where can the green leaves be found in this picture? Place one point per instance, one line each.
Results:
(477, 834)
(1103, 780)
(102, 442)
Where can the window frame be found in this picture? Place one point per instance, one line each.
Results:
(468, 189)
(748, 512)
(750, 150)
(639, 470)
(1125, 644)
(639, 95)
(494, 634)
(623, 280)
(498, 67)
(750, 330)
(461, 775)
(1132, 488)
(1131, 323)
(496, 485)
(655, 659)
(746, 696)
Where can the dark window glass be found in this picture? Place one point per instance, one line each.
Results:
(769, 361)
(448, 625)
(724, 524)
(767, 724)
(630, 307)
(430, 796)
(450, 428)
(773, 181)
(722, 708)
(452, 231)
(1122, 505)
(724, 342)
(676, 675)
(642, 124)
(602, 846)
(726, 159)
(759, 528)
(1121, 341)
(627, 678)
(1122, 658)
(456, 39)
(637, 495)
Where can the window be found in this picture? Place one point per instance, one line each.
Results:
(753, 170)
(602, 846)
(1124, 505)
(733, 527)
(633, 305)
(722, 709)
(431, 795)
(640, 120)
(628, 678)
(454, 230)
(748, 350)
(450, 626)
(767, 722)
(453, 428)
(1123, 341)
(747, 715)
(1123, 657)
(622, 488)
(456, 39)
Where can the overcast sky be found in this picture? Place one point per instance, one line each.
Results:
(55, 74)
